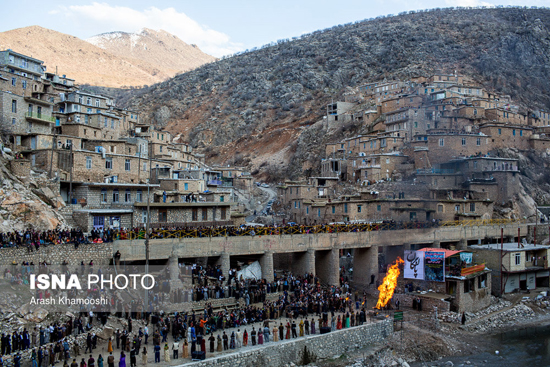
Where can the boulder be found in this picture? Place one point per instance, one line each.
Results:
(106, 333)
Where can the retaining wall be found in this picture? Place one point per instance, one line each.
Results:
(322, 346)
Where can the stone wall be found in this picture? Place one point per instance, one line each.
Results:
(428, 303)
(322, 346)
(100, 253)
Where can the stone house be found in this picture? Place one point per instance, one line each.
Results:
(524, 266)
(102, 205)
(184, 214)
(444, 146)
(508, 135)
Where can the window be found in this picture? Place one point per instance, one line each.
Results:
(86, 119)
(105, 121)
(89, 162)
(103, 195)
(482, 281)
(127, 165)
(499, 131)
(109, 163)
(457, 208)
(514, 132)
(441, 142)
(333, 209)
(13, 81)
(144, 216)
(478, 141)
(295, 204)
(345, 207)
(223, 213)
(115, 196)
(163, 215)
(221, 198)
(440, 208)
(144, 166)
(472, 207)
(194, 214)
(319, 213)
(379, 208)
(463, 141)
(469, 285)
(24, 84)
(13, 106)
(521, 133)
(127, 196)
(204, 214)
(97, 102)
(415, 123)
(13, 121)
(139, 196)
(186, 186)
(518, 258)
(112, 123)
(358, 208)
(89, 101)
(160, 148)
(307, 209)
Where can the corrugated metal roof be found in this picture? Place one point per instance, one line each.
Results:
(448, 253)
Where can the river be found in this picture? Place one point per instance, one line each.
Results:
(523, 347)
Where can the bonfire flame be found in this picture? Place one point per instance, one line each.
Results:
(388, 285)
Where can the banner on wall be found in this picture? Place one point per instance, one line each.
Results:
(434, 266)
(414, 265)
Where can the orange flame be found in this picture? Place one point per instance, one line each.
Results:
(388, 285)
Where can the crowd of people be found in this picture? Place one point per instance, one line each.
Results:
(303, 307)
(33, 239)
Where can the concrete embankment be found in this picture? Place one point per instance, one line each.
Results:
(292, 351)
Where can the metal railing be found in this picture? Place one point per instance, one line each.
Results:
(231, 231)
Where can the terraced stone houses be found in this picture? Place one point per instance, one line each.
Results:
(104, 161)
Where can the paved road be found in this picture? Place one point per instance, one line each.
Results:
(259, 207)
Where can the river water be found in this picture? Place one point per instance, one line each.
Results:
(523, 347)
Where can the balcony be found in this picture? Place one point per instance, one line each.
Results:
(38, 101)
(39, 117)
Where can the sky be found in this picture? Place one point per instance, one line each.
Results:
(218, 27)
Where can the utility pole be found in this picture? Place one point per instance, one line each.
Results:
(54, 143)
(147, 226)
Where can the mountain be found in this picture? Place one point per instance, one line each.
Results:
(264, 108)
(160, 48)
(90, 64)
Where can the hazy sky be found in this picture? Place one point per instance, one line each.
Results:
(218, 27)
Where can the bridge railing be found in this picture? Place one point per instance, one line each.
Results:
(286, 230)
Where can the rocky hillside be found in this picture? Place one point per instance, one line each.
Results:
(28, 202)
(264, 108)
(118, 60)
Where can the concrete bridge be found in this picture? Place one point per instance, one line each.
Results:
(315, 253)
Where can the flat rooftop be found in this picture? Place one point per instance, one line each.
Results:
(509, 246)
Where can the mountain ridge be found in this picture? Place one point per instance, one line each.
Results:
(239, 108)
(89, 64)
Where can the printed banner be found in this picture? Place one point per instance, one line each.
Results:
(466, 257)
(434, 269)
(414, 265)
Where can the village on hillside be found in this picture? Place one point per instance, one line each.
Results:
(434, 152)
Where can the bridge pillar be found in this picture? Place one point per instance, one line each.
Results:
(365, 267)
(266, 262)
(173, 267)
(462, 244)
(224, 262)
(436, 244)
(303, 262)
(327, 266)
